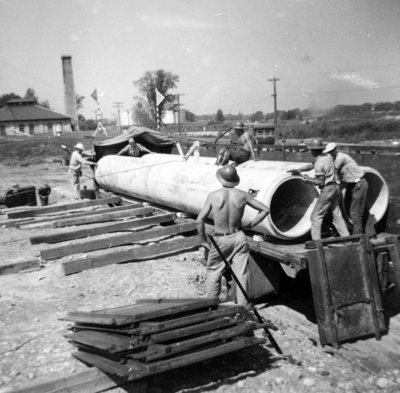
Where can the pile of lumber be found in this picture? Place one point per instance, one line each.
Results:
(154, 336)
(121, 232)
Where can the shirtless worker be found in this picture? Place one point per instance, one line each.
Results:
(245, 151)
(227, 207)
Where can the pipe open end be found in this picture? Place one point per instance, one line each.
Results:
(291, 207)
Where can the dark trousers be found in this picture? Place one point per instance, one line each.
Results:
(358, 192)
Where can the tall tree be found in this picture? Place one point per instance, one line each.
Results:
(79, 101)
(6, 97)
(219, 116)
(161, 80)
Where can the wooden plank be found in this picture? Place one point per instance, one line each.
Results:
(145, 312)
(287, 254)
(64, 207)
(106, 228)
(18, 266)
(135, 370)
(132, 254)
(39, 222)
(108, 342)
(114, 241)
(91, 380)
(198, 328)
(157, 353)
(103, 217)
(154, 327)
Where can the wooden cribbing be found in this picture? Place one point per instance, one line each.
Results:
(51, 220)
(106, 228)
(132, 254)
(103, 217)
(64, 207)
(114, 241)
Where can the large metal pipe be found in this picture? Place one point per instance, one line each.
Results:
(166, 179)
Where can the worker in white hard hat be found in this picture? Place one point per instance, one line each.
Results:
(325, 180)
(227, 206)
(351, 177)
(75, 167)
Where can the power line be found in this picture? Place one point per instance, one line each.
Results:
(118, 105)
(274, 80)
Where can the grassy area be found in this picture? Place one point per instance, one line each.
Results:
(38, 149)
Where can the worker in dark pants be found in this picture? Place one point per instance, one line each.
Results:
(325, 180)
(245, 151)
(352, 179)
(227, 207)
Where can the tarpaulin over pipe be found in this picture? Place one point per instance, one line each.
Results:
(167, 180)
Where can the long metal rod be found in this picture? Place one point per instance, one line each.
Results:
(256, 313)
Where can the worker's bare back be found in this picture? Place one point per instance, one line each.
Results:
(227, 206)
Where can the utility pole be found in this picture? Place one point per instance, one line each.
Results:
(179, 111)
(118, 105)
(274, 80)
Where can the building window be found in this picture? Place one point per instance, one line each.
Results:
(3, 130)
(49, 127)
(21, 128)
(31, 129)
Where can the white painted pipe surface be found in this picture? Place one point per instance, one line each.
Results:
(184, 185)
(378, 190)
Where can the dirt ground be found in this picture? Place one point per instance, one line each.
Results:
(33, 350)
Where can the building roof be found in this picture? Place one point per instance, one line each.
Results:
(26, 109)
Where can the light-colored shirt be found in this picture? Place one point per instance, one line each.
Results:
(76, 161)
(324, 166)
(132, 150)
(347, 169)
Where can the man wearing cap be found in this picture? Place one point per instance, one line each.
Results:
(133, 149)
(352, 178)
(227, 206)
(75, 168)
(245, 151)
(325, 180)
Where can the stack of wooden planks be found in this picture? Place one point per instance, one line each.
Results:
(120, 232)
(154, 336)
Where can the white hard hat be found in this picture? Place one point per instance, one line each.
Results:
(330, 147)
(80, 146)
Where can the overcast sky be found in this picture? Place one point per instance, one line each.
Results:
(324, 52)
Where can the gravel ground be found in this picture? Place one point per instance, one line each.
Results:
(33, 350)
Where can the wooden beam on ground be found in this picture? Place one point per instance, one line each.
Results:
(18, 266)
(29, 223)
(132, 254)
(64, 207)
(106, 228)
(116, 240)
(103, 217)
(91, 380)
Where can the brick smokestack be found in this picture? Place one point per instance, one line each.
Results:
(69, 91)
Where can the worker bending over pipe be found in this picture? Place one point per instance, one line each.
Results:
(325, 180)
(227, 206)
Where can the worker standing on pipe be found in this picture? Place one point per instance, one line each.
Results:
(352, 178)
(133, 149)
(325, 180)
(227, 207)
(245, 151)
(75, 168)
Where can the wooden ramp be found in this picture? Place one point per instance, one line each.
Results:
(87, 234)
